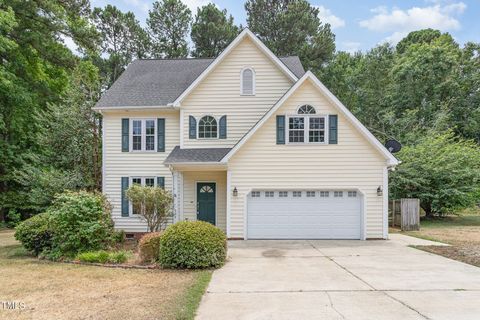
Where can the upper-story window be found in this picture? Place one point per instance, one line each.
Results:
(143, 134)
(207, 128)
(306, 109)
(306, 126)
(247, 82)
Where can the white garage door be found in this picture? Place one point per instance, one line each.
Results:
(314, 214)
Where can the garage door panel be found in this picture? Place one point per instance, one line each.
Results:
(304, 217)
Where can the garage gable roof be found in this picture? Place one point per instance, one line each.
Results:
(392, 161)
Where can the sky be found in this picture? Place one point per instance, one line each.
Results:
(361, 24)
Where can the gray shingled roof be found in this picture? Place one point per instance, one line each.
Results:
(196, 155)
(158, 82)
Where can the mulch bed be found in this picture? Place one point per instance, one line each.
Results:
(464, 252)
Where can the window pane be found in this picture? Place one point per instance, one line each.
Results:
(316, 130)
(137, 181)
(150, 182)
(150, 127)
(296, 123)
(137, 127)
(150, 142)
(296, 135)
(306, 109)
(137, 143)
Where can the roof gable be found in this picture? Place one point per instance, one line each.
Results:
(309, 76)
(244, 34)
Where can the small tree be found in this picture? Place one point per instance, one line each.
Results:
(153, 204)
(442, 171)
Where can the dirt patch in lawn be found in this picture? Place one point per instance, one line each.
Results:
(461, 232)
(63, 291)
(465, 252)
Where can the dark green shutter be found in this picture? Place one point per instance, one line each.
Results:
(223, 127)
(280, 129)
(161, 182)
(333, 129)
(192, 127)
(125, 204)
(160, 135)
(125, 132)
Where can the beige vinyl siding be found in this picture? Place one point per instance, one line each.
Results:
(352, 163)
(190, 180)
(219, 94)
(119, 164)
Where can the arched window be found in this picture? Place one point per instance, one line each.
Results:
(306, 109)
(247, 82)
(207, 127)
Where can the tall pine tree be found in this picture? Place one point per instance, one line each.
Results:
(168, 23)
(212, 31)
(292, 27)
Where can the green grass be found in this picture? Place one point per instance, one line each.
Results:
(191, 299)
(452, 221)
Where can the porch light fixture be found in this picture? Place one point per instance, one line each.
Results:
(235, 192)
(379, 191)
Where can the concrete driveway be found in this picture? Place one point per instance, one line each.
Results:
(340, 280)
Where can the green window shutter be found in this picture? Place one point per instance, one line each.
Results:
(192, 127)
(280, 129)
(160, 135)
(125, 204)
(223, 127)
(333, 129)
(161, 182)
(125, 133)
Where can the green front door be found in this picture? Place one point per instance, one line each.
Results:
(206, 201)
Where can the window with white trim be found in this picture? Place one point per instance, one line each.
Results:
(338, 194)
(207, 128)
(283, 194)
(269, 194)
(297, 194)
(310, 194)
(352, 194)
(307, 127)
(143, 181)
(143, 134)
(324, 194)
(247, 82)
(255, 194)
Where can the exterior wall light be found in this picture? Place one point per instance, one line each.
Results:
(235, 192)
(379, 191)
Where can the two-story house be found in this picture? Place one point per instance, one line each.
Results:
(247, 141)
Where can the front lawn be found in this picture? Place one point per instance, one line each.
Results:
(462, 232)
(53, 290)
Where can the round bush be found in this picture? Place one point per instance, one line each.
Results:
(35, 233)
(192, 245)
(149, 247)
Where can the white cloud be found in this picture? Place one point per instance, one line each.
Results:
(400, 22)
(350, 46)
(326, 16)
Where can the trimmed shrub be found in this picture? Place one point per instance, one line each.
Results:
(35, 233)
(102, 256)
(192, 245)
(149, 247)
(80, 222)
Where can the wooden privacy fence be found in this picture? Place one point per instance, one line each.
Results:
(404, 213)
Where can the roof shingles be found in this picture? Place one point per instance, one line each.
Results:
(196, 155)
(158, 82)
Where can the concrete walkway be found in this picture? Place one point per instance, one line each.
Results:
(341, 280)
